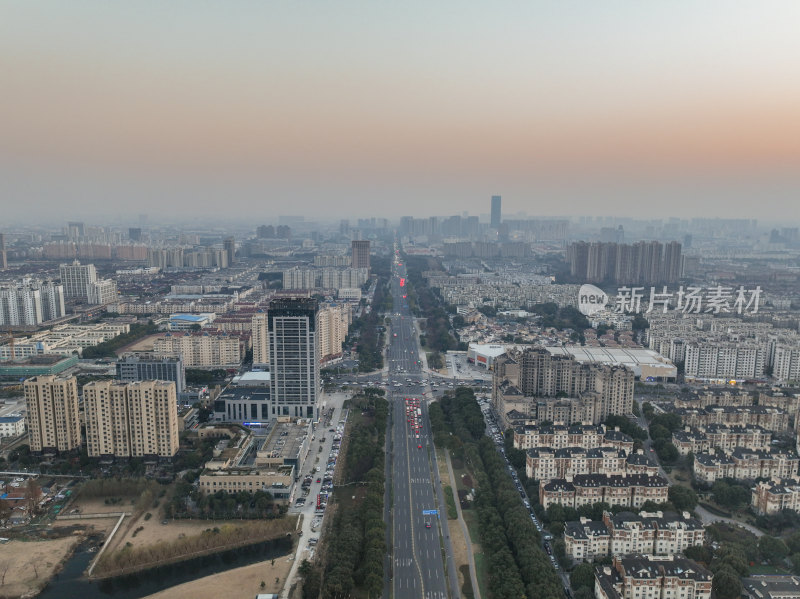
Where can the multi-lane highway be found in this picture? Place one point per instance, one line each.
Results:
(416, 562)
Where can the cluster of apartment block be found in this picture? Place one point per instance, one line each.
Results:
(743, 464)
(31, 302)
(614, 489)
(720, 436)
(657, 533)
(533, 380)
(725, 348)
(203, 349)
(767, 417)
(652, 577)
(122, 419)
(558, 436)
(64, 340)
(325, 278)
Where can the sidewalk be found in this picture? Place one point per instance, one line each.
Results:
(472, 570)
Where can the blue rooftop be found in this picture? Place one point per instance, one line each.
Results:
(10, 418)
(189, 317)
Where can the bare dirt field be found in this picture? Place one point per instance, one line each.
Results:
(239, 583)
(143, 344)
(97, 505)
(27, 565)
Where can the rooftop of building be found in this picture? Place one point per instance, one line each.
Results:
(771, 586)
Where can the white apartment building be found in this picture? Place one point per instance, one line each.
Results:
(653, 577)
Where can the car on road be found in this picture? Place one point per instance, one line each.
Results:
(419, 446)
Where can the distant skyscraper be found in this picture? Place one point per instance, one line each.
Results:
(360, 251)
(496, 212)
(3, 255)
(294, 354)
(135, 233)
(230, 249)
(76, 230)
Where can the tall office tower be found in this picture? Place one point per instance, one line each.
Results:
(3, 255)
(230, 249)
(259, 334)
(360, 253)
(496, 212)
(135, 233)
(137, 419)
(294, 356)
(134, 367)
(53, 421)
(76, 278)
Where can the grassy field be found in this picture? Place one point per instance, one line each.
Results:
(482, 572)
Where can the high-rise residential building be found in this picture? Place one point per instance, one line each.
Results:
(53, 420)
(77, 279)
(103, 291)
(294, 354)
(31, 303)
(560, 388)
(259, 335)
(76, 230)
(135, 233)
(334, 322)
(644, 262)
(138, 419)
(360, 249)
(230, 249)
(497, 216)
(148, 366)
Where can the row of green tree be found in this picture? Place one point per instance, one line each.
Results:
(369, 339)
(517, 565)
(354, 560)
(189, 502)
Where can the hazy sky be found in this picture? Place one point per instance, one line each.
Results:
(387, 108)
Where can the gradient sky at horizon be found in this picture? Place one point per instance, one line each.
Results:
(369, 108)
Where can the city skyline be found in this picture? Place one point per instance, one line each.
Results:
(646, 110)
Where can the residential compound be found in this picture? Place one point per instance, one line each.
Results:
(652, 577)
(125, 420)
(644, 262)
(656, 533)
(767, 417)
(31, 302)
(614, 489)
(203, 350)
(64, 340)
(325, 278)
(722, 437)
(53, 419)
(725, 348)
(559, 388)
(744, 464)
(559, 436)
(546, 463)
